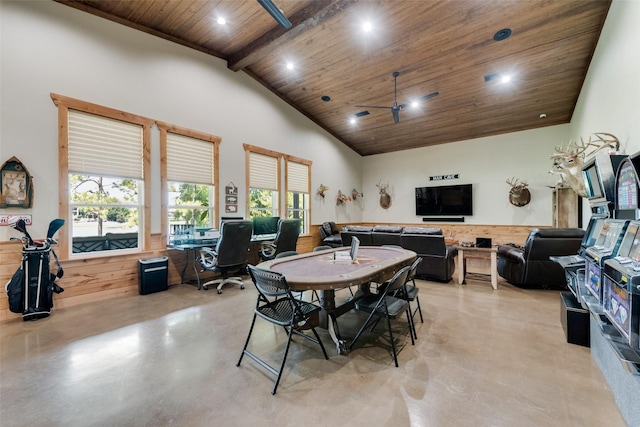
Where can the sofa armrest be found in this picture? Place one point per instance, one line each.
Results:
(511, 253)
(451, 251)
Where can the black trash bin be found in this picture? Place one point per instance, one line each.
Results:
(153, 275)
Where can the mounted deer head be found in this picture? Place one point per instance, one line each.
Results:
(519, 194)
(342, 198)
(568, 161)
(385, 198)
(355, 194)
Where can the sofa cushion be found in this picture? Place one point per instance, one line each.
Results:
(358, 228)
(422, 230)
(387, 229)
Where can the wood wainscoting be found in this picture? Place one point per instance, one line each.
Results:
(95, 279)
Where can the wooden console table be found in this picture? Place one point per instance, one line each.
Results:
(481, 254)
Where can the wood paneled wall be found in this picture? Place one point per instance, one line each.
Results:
(95, 279)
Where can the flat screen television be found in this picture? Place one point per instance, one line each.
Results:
(265, 225)
(444, 200)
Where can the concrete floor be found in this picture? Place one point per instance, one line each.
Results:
(482, 358)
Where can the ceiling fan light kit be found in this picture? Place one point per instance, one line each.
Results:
(395, 108)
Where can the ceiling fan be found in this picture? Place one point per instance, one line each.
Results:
(395, 108)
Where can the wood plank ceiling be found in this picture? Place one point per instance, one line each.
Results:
(443, 46)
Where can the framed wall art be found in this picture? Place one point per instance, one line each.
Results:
(16, 185)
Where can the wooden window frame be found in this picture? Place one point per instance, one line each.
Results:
(65, 103)
(164, 182)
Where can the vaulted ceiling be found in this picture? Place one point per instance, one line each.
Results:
(451, 56)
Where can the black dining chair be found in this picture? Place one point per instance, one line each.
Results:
(277, 305)
(230, 255)
(384, 305)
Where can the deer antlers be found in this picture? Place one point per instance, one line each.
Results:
(599, 140)
(516, 183)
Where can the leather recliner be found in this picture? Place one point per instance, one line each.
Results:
(330, 234)
(530, 267)
(438, 258)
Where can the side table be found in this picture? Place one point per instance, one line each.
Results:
(489, 254)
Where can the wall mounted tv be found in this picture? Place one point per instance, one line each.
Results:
(444, 200)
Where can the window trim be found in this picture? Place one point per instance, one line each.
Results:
(65, 103)
(164, 182)
(248, 149)
(292, 159)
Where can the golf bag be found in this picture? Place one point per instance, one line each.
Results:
(30, 290)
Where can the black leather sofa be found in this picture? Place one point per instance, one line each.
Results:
(438, 259)
(530, 267)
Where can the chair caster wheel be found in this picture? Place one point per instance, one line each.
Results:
(206, 288)
(219, 291)
(241, 286)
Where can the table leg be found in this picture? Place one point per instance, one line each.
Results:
(461, 266)
(195, 268)
(329, 321)
(494, 270)
(184, 269)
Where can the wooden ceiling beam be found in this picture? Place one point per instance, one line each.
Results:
(317, 12)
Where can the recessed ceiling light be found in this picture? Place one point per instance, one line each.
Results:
(367, 26)
(543, 116)
(290, 66)
(505, 79)
(221, 20)
(352, 121)
(502, 34)
(415, 104)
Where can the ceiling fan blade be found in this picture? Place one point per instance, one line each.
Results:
(371, 106)
(396, 114)
(422, 98)
(431, 95)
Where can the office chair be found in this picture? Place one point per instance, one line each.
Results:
(231, 253)
(286, 239)
(277, 305)
(384, 305)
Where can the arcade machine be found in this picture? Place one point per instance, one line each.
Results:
(599, 178)
(620, 295)
(602, 238)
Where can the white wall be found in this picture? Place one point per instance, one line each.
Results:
(610, 97)
(48, 47)
(484, 162)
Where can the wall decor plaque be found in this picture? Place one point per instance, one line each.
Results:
(16, 185)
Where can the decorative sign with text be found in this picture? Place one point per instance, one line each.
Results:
(9, 219)
(443, 177)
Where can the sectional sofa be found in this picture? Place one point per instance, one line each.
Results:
(438, 258)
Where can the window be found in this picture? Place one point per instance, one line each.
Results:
(189, 180)
(298, 172)
(103, 186)
(263, 173)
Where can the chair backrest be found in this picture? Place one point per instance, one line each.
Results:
(413, 269)
(398, 280)
(286, 254)
(233, 245)
(328, 228)
(269, 283)
(287, 236)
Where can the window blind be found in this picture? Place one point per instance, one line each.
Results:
(189, 159)
(263, 171)
(297, 177)
(102, 146)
